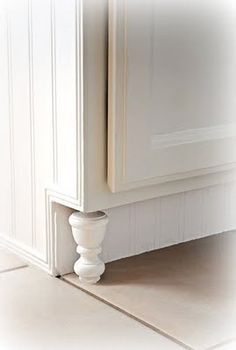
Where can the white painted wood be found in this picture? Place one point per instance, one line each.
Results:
(171, 231)
(6, 182)
(130, 233)
(194, 207)
(41, 90)
(214, 210)
(161, 222)
(157, 74)
(35, 116)
(230, 219)
(22, 121)
(98, 194)
(41, 108)
(53, 84)
(66, 152)
(88, 232)
(184, 137)
(63, 245)
(28, 121)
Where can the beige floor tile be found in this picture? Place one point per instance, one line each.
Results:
(228, 346)
(39, 312)
(187, 291)
(9, 260)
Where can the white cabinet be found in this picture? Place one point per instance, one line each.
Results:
(103, 105)
(168, 83)
(171, 82)
(200, 143)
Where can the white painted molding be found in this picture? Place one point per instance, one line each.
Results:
(41, 149)
(182, 137)
(137, 156)
(94, 179)
(88, 232)
(27, 253)
(53, 198)
(53, 262)
(34, 144)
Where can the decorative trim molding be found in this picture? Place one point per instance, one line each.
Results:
(24, 251)
(80, 98)
(48, 262)
(194, 135)
(52, 197)
(118, 177)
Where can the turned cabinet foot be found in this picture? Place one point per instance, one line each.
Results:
(88, 230)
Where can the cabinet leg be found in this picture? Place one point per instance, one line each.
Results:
(88, 230)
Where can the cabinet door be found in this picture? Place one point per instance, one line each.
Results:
(171, 90)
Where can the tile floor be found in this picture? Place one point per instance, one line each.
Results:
(8, 261)
(38, 312)
(188, 291)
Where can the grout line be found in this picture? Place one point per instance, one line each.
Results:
(14, 268)
(155, 329)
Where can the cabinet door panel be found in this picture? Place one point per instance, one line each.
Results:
(171, 91)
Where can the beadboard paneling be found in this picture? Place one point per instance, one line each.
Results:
(6, 181)
(40, 25)
(40, 135)
(38, 109)
(22, 121)
(161, 222)
(64, 40)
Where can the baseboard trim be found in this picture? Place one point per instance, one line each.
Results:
(28, 254)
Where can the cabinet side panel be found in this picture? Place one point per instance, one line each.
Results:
(40, 21)
(22, 121)
(39, 121)
(6, 180)
(65, 95)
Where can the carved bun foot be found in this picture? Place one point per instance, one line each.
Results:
(88, 232)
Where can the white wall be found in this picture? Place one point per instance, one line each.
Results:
(38, 152)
